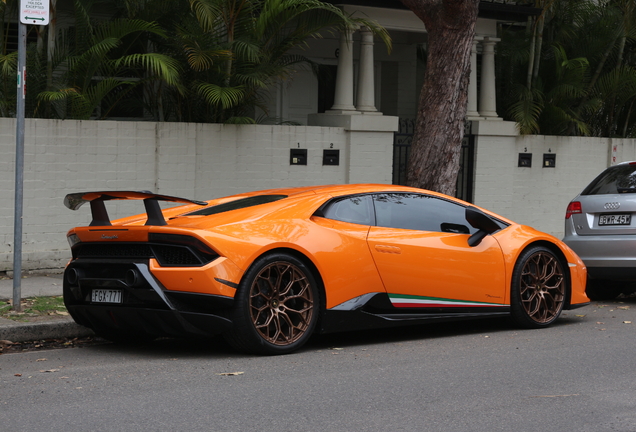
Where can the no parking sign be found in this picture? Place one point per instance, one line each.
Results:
(34, 12)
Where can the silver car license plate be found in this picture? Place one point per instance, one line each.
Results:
(106, 296)
(615, 219)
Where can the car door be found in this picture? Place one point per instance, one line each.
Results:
(420, 247)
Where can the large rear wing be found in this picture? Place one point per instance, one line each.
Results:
(100, 215)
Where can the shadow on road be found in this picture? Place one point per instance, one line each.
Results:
(217, 347)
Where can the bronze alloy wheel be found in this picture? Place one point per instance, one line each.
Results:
(281, 303)
(539, 288)
(542, 287)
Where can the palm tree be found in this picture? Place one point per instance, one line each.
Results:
(8, 62)
(178, 60)
(580, 79)
(100, 64)
(236, 50)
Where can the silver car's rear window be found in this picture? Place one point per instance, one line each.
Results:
(616, 179)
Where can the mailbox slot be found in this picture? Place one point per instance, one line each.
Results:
(549, 160)
(331, 157)
(525, 160)
(297, 156)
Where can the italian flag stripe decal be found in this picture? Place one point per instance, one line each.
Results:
(411, 301)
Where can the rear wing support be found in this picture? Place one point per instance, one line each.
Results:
(100, 215)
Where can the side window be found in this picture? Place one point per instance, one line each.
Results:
(420, 212)
(355, 209)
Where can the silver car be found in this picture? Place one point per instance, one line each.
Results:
(600, 226)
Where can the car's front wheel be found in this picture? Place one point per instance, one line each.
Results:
(539, 288)
(276, 306)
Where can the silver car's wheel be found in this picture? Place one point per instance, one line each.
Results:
(539, 288)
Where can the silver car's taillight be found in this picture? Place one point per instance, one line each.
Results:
(573, 208)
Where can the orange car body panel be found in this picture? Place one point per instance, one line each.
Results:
(441, 265)
(349, 257)
(516, 238)
(203, 280)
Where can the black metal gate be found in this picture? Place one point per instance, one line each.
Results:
(402, 149)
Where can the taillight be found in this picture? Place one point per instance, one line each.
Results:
(573, 208)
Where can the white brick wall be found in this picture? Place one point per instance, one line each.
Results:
(204, 161)
(200, 161)
(538, 196)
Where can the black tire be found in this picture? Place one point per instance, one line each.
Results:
(539, 288)
(600, 289)
(277, 306)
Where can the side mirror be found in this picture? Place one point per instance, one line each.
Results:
(484, 223)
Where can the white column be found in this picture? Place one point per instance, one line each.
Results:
(472, 112)
(343, 99)
(365, 101)
(488, 97)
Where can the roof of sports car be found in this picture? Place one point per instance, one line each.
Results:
(335, 190)
(284, 203)
(319, 193)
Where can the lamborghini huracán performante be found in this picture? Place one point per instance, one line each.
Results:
(268, 269)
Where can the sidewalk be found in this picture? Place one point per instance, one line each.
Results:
(45, 328)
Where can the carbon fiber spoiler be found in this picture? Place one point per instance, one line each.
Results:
(100, 215)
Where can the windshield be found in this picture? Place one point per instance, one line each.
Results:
(237, 204)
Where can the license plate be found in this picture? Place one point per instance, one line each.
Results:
(106, 296)
(615, 219)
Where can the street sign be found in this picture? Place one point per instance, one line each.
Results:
(34, 12)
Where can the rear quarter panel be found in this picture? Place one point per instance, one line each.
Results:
(338, 250)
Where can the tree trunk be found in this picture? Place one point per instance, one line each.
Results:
(533, 40)
(439, 127)
(538, 48)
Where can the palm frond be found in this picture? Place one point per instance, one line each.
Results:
(164, 67)
(123, 27)
(527, 109)
(222, 97)
(8, 64)
(207, 12)
(559, 121)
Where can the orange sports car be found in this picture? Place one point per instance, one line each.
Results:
(268, 269)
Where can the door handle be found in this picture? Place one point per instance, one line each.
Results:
(388, 249)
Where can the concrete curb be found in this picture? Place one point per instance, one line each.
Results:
(44, 284)
(23, 332)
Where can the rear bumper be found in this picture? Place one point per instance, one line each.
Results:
(609, 255)
(152, 322)
(147, 307)
(613, 273)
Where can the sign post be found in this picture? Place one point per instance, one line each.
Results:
(35, 12)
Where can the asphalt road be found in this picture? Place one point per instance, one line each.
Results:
(578, 375)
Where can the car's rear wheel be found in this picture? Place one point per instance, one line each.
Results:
(276, 306)
(539, 288)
